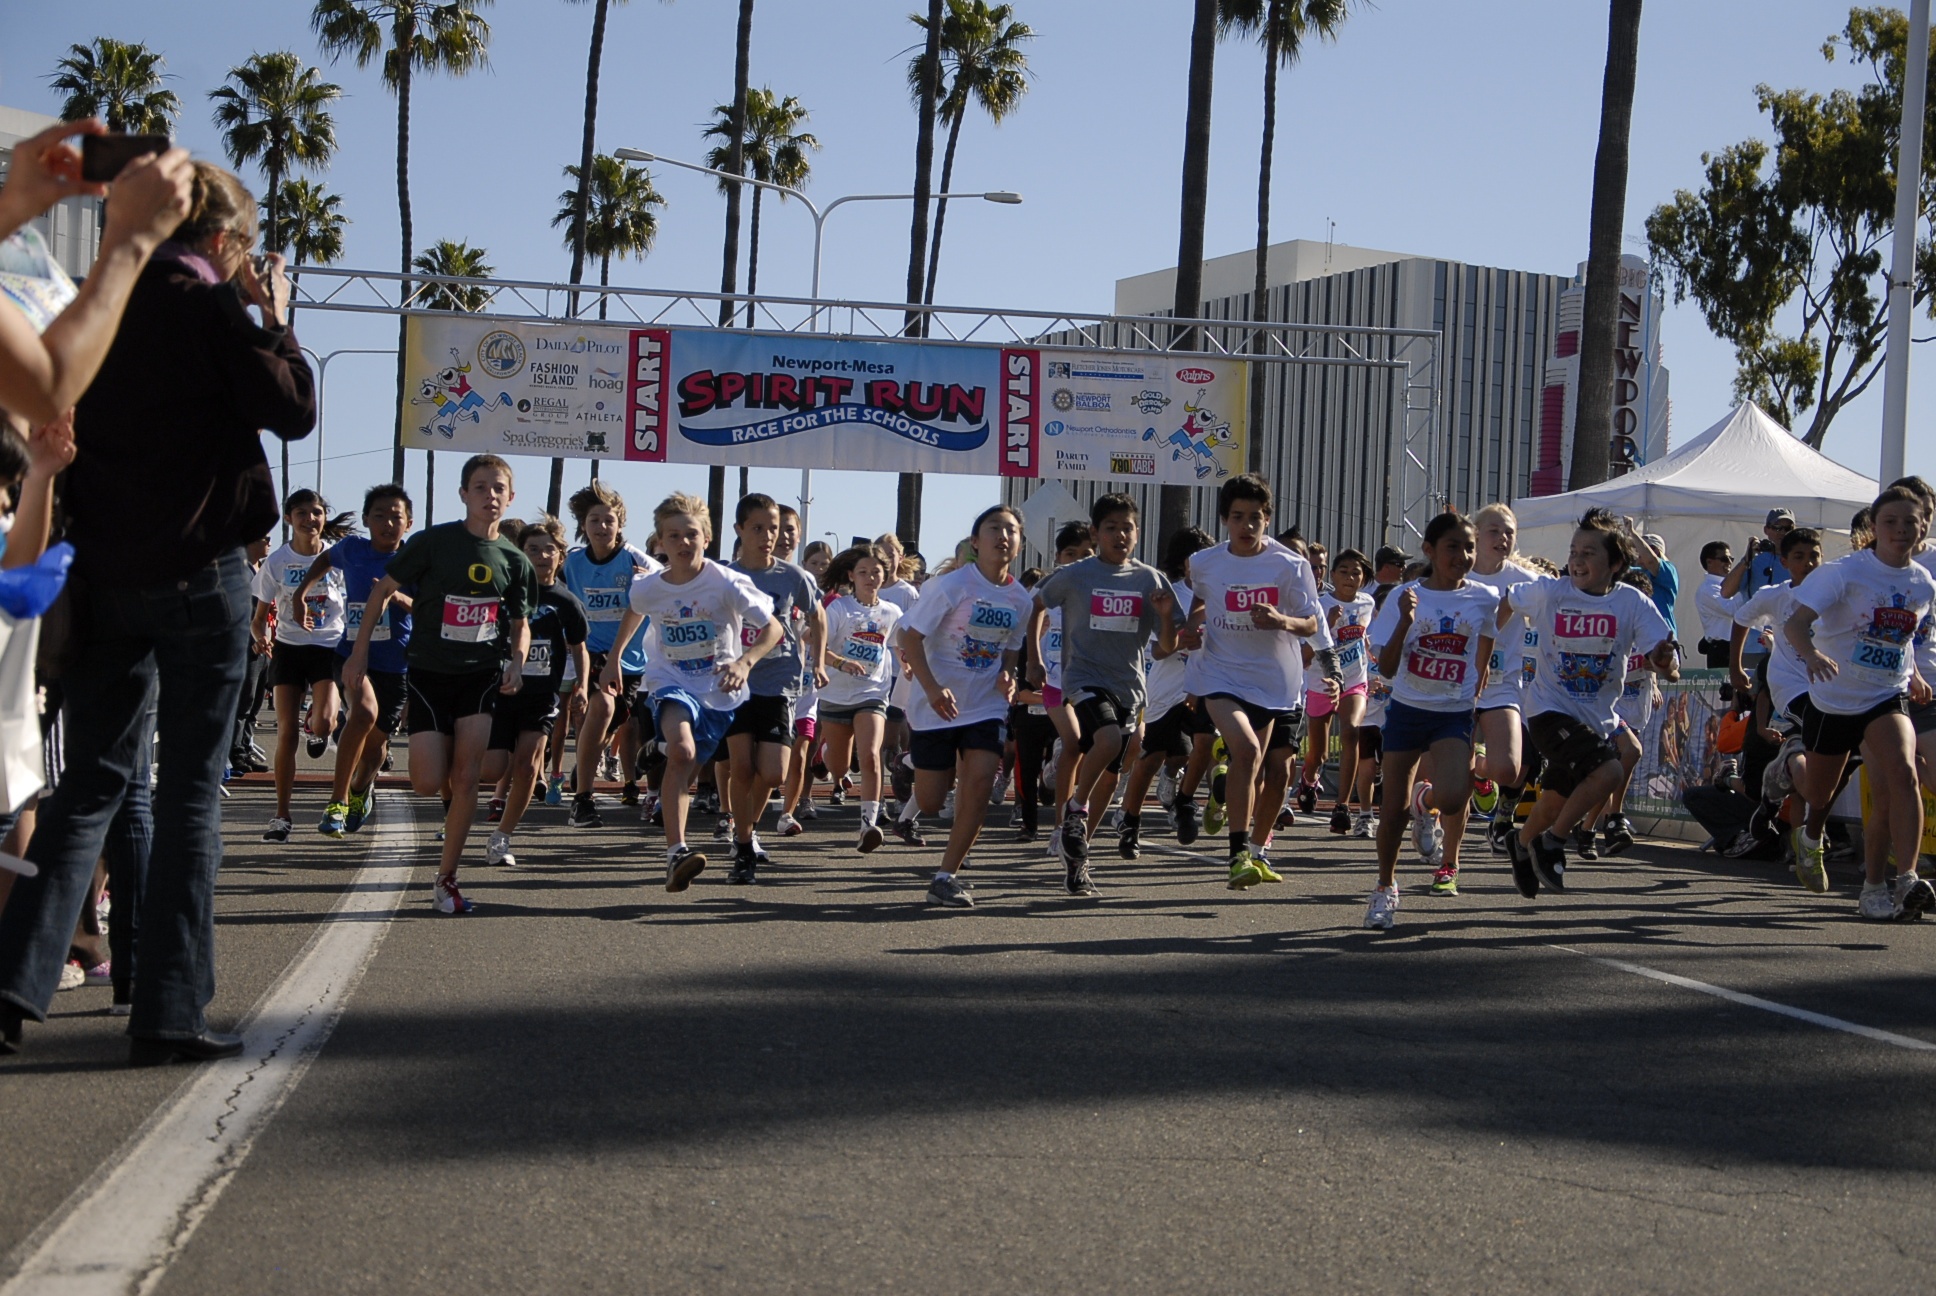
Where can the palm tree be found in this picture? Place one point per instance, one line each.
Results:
(1282, 26)
(1174, 510)
(729, 252)
(277, 113)
(308, 221)
(770, 150)
(620, 220)
(1600, 312)
(907, 504)
(422, 36)
(983, 63)
(119, 82)
(456, 260)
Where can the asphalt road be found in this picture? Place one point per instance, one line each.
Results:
(822, 1084)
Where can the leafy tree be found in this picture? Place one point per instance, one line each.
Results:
(459, 260)
(620, 217)
(1174, 501)
(404, 37)
(771, 150)
(983, 64)
(119, 82)
(276, 112)
(1785, 246)
(306, 220)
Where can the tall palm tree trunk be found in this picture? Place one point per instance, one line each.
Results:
(1175, 506)
(604, 281)
(402, 39)
(1260, 290)
(580, 207)
(941, 204)
(753, 261)
(729, 267)
(907, 503)
(1600, 313)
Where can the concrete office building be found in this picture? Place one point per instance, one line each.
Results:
(73, 227)
(1333, 437)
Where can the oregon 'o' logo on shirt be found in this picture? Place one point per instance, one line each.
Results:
(480, 573)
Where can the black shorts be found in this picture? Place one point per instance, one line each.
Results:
(390, 696)
(301, 665)
(438, 699)
(1200, 721)
(1098, 709)
(936, 749)
(895, 713)
(1283, 723)
(767, 719)
(1922, 717)
(534, 710)
(1170, 733)
(1827, 734)
(844, 715)
(1572, 749)
(1371, 742)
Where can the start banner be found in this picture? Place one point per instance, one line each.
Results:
(719, 396)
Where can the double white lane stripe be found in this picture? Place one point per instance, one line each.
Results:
(121, 1229)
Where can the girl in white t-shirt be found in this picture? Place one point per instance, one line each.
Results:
(860, 677)
(1854, 624)
(302, 656)
(1073, 543)
(961, 642)
(1348, 609)
(1433, 638)
(1501, 721)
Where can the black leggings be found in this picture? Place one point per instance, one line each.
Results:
(1034, 739)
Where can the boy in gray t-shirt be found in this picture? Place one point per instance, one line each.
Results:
(1111, 604)
(760, 738)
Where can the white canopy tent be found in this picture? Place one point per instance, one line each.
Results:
(1719, 486)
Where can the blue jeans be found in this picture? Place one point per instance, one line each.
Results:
(188, 641)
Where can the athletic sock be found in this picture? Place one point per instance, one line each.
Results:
(910, 811)
(1132, 820)
(1239, 841)
(870, 813)
(1509, 797)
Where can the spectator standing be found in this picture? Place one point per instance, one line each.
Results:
(1716, 609)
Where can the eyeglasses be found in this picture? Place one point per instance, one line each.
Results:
(1780, 526)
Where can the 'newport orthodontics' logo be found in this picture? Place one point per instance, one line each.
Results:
(500, 354)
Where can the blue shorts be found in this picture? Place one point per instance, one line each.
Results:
(708, 726)
(1414, 729)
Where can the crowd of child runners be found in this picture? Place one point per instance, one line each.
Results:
(1465, 679)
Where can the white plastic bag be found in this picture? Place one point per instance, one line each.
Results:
(23, 769)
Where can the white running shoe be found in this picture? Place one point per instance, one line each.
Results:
(788, 826)
(759, 851)
(1165, 787)
(608, 770)
(1364, 825)
(1878, 903)
(1383, 906)
(948, 808)
(497, 851)
(1428, 838)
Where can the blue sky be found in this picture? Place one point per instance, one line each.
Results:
(1464, 131)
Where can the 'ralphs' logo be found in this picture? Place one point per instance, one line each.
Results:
(1196, 377)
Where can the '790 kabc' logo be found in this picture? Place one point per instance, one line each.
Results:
(500, 354)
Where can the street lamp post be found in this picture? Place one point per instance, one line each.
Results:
(820, 215)
(1902, 261)
(322, 378)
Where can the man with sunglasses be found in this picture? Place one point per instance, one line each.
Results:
(1759, 566)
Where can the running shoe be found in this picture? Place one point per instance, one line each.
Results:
(584, 814)
(1075, 840)
(948, 808)
(1286, 818)
(1244, 872)
(1878, 903)
(555, 790)
(1307, 797)
(1025, 834)
(1165, 787)
(871, 838)
(909, 831)
(788, 826)
(1913, 896)
(1382, 909)
(317, 746)
(446, 897)
(1485, 796)
(1340, 821)
(1524, 876)
(495, 813)
(279, 830)
(900, 776)
(359, 809)
(629, 794)
(946, 890)
(1364, 825)
(1445, 880)
(608, 769)
(838, 797)
(1213, 810)
(807, 810)
(998, 793)
(759, 849)
(1549, 861)
(1809, 865)
(498, 850)
(72, 977)
(723, 830)
(1778, 780)
(101, 973)
(1184, 812)
(1583, 846)
(1077, 880)
(1428, 835)
(1265, 873)
(654, 813)
(335, 820)
(744, 870)
(684, 865)
(1498, 832)
(1616, 836)
(1129, 842)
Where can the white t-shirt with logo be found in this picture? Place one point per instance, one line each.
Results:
(1438, 668)
(1262, 667)
(695, 628)
(1926, 632)
(1584, 642)
(1772, 605)
(1350, 623)
(277, 581)
(864, 635)
(1506, 670)
(967, 622)
(1635, 705)
(1867, 613)
(1167, 683)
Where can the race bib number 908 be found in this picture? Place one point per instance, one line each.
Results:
(1119, 610)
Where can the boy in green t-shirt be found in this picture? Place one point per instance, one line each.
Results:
(474, 591)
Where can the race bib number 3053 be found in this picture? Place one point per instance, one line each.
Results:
(689, 642)
(470, 620)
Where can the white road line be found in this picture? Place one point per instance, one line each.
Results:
(121, 1229)
(1766, 1005)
